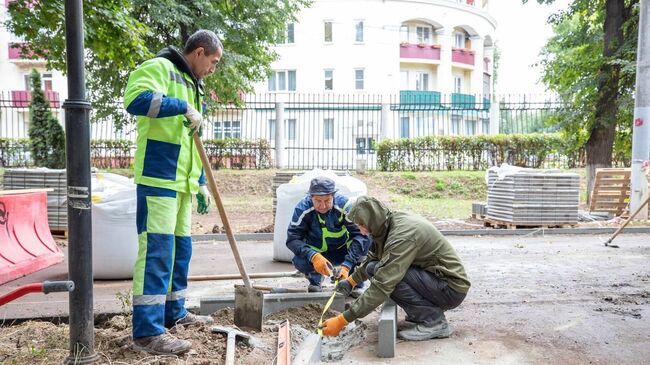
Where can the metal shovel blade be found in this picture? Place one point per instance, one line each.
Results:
(249, 307)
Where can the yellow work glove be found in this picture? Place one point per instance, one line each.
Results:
(334, 325)
(321, 265)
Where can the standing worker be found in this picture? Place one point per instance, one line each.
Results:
(166, 95)
(321, 235)
(410, 262)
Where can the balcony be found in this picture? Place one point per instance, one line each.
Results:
(462, 55)
(420, 51)
(22, 98)
(418, 100)
(462, 101)
(15, 53)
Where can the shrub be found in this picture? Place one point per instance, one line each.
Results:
(45, 133)
(475, 152)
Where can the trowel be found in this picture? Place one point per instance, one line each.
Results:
(249, 302)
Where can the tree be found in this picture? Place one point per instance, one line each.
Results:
(47, 140)
(120, 34)
(591, 63)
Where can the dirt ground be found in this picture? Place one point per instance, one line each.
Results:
(534, 300)
(35, 342)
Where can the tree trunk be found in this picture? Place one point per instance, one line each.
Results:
(601, 139)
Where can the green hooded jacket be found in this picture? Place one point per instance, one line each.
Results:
(400, 240)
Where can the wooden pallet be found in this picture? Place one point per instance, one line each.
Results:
(495, 223)
(611, 192)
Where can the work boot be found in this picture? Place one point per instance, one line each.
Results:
(192, 318)
(422, 332)
(314, 288)
(163, 344)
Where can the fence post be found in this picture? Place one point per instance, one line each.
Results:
(494, 116)
(385, 121)
(279, 135)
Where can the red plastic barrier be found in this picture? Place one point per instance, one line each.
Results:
(26, 244)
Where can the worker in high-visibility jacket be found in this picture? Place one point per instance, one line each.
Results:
(321, 236)
(166, 95)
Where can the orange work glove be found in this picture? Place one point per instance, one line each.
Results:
(321, 265)
(344, 273)
(334, 325)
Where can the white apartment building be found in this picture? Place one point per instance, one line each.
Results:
(15, 85)
(387, 46)
(428, 63)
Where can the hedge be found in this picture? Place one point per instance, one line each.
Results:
(476, 152)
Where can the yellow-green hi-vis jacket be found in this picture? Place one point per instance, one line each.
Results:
(158, 92)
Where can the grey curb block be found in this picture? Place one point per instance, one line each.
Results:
(470, 232)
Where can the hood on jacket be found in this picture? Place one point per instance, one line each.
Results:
(372, 214)
(177, 58)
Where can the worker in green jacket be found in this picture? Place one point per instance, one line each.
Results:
(165, 94)
(409, 262)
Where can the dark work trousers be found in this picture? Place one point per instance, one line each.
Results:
(423, 296)
(336, 257)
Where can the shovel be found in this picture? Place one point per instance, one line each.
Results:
(249, 302)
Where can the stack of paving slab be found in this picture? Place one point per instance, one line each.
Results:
(534, 198)
(57, 210)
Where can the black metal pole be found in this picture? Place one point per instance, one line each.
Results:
(77, 128)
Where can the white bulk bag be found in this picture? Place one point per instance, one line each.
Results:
(114, 232)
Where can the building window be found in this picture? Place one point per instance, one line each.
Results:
(287, 35)
(459, 40)
(328, 129)
(329, 79)
(358, 79)
(458, 84)
(404, 127)
(358, 31)
(455, 125)
(423, 34)
(422, 81)
(46, 81)
(487, 81)
(291, 129)
(227, 129)
(365, 146)
(271, 129)
(485, 126)
(404, 33)
(328, 32)
(470, 127)
(284, 80)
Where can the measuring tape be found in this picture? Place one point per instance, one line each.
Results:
(327, 306)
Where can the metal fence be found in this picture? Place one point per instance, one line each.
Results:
(523, 114)
(331, 131)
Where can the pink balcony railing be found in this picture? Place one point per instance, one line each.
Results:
(14, 52)
(421, 51)
(461, 55)
(22, 98)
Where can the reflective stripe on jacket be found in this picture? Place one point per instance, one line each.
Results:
(165, 155)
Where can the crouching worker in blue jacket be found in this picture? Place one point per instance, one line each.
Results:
(321, 236)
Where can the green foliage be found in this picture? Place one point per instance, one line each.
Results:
(574, 66)
(236, 153)
(473, 152)
(12, 152)
(45, 132)
(120, 34)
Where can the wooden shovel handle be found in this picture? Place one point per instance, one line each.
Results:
(212, 185)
